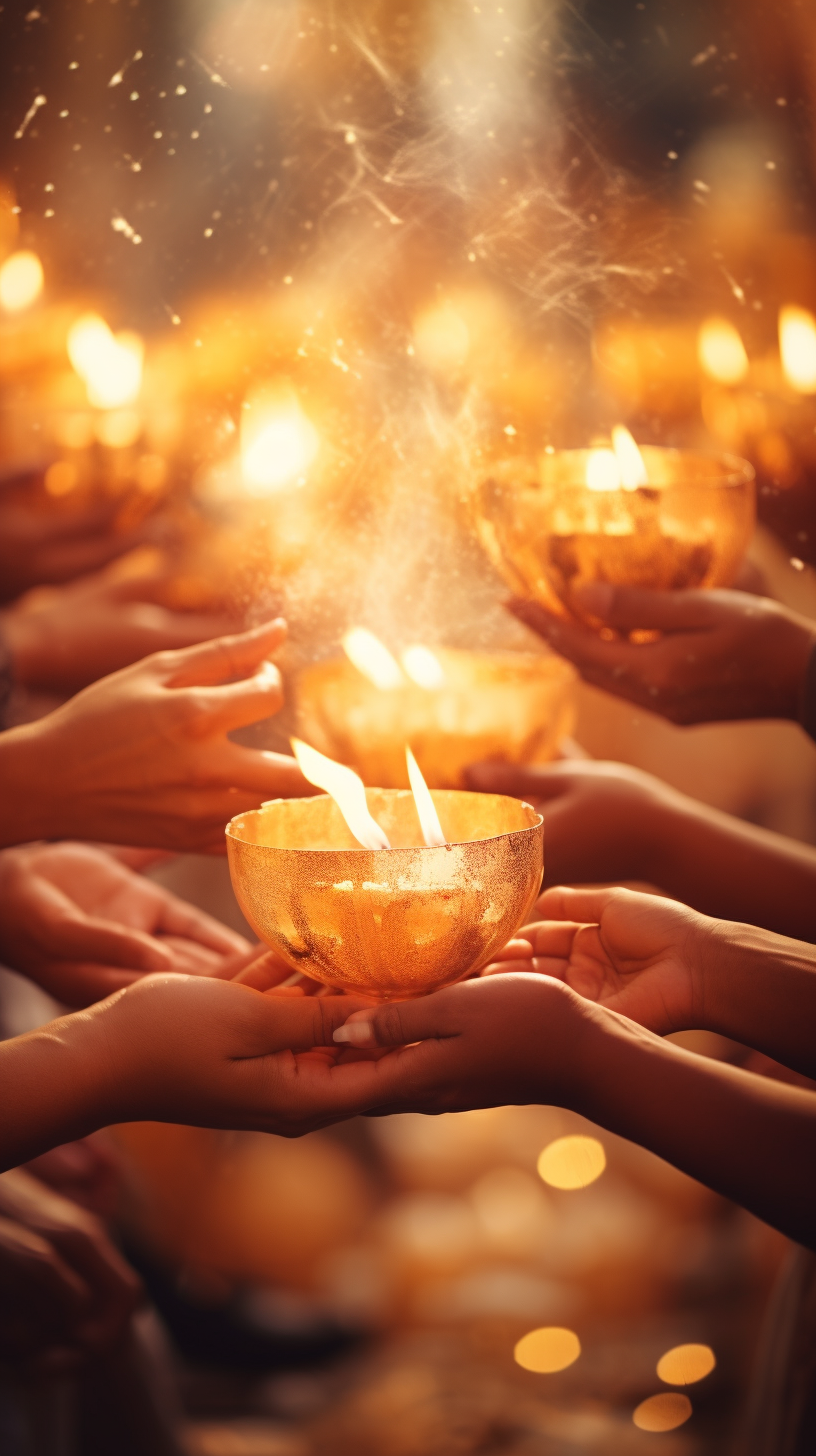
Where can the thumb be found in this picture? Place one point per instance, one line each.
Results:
(226, 659)
(399, 1023)
(630, 607)
(582, 906)
(533, 783)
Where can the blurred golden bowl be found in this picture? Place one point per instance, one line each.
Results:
(515, 706)
(394, 922)
(548, 532)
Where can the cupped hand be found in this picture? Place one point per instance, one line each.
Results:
(142, 757)
(602, 821)
(217, 1053)
(640, 955)
(62, 638)
(66, 1290)
(42, 543)
(506, 1039)
(720, 655)
(81, 924)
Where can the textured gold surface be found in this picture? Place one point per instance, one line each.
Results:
(511, 705)
(398, 922)
(547, 532)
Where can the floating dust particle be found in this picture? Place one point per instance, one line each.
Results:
(29, 116)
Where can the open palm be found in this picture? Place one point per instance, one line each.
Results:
(637, 954)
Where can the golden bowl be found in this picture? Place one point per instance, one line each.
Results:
(394, 922)
(548, 532)
(515, 706)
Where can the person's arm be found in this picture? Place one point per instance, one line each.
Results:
(670, 969)
(174, 1048)
(143, 757)
(522, 1039)
(713, 656)
(606, 821)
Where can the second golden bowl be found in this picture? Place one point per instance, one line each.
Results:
(547, 531)
(394, 922)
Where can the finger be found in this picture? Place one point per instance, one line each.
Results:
(268, 971)
(226, 659)
(180, 918)
(399, 1023)
(585, 906)
(554, 966)
(630, 607)
(234, 705)
(534, 783)
(259, 771)
(87, 939)
(78, 985)
(519, 949)
(69, 559)
(282, 1023)
(546, 938)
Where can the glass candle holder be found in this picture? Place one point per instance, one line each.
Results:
(396, 922)
(548, 531)
(514, 706)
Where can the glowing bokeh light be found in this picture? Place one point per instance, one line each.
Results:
(441, 338)
(278, 444)
(547, 1350)
(686, 1364)
(21, 281)
(721, 351)
(572, 1162)
(797, 346)
(109, 364)
(662, 1412)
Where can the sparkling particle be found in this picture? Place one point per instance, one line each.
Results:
(73, 65)
(135, 166)
(49, 212)
(797, 564)
(30, 114)
(547, 1350)
(208, 232)
(701, 186)
(471, 257)
(686, 1364)
(181, 90)
(781, 100)
(672, 156)
(662, 1412)
(288, 278)
(157, 135)
(351, 137)
(195, 135)
(572, 1162)
(63, 113)
(510, 430)
(49, 187)
(208, 108)
(771, 166)
(134, 96)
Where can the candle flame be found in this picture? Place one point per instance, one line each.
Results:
(346, 789)
(428, 818)
(371, 657)
(21, 281)
(423, 667)
(602, 470)
(278, 443)
(630, 462)
(721, 351)
(797, 344)
(110, 364)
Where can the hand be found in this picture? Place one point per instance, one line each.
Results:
(62, 638)
(502, 1040)
(143, 756)
(65, 1290)
(639, 955)
(81, 924)
(42, 542)
(721, 655)
(87, 1171)
(220, 1054)
(602, 821)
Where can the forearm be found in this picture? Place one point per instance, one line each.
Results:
(759, 989)
(724, 867)
(747, 1137)
(54, 1087)
(28, 808)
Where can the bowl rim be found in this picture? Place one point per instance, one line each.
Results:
(404, 849)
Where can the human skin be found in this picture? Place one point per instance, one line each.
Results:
(142, 757)
(174, 1048)
(62, 638)
(65, 1290)
(41, 543)
(720, 655)
(80, 923)
(607, 821)
(521, 1039)
(671, 969)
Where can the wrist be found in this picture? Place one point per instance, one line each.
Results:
(29, 804)
(24, 639)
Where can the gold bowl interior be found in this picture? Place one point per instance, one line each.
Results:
(547, 532)
(394, 922)
(515, 706)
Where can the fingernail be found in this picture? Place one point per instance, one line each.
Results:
(595, 597)
(359, 1033)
